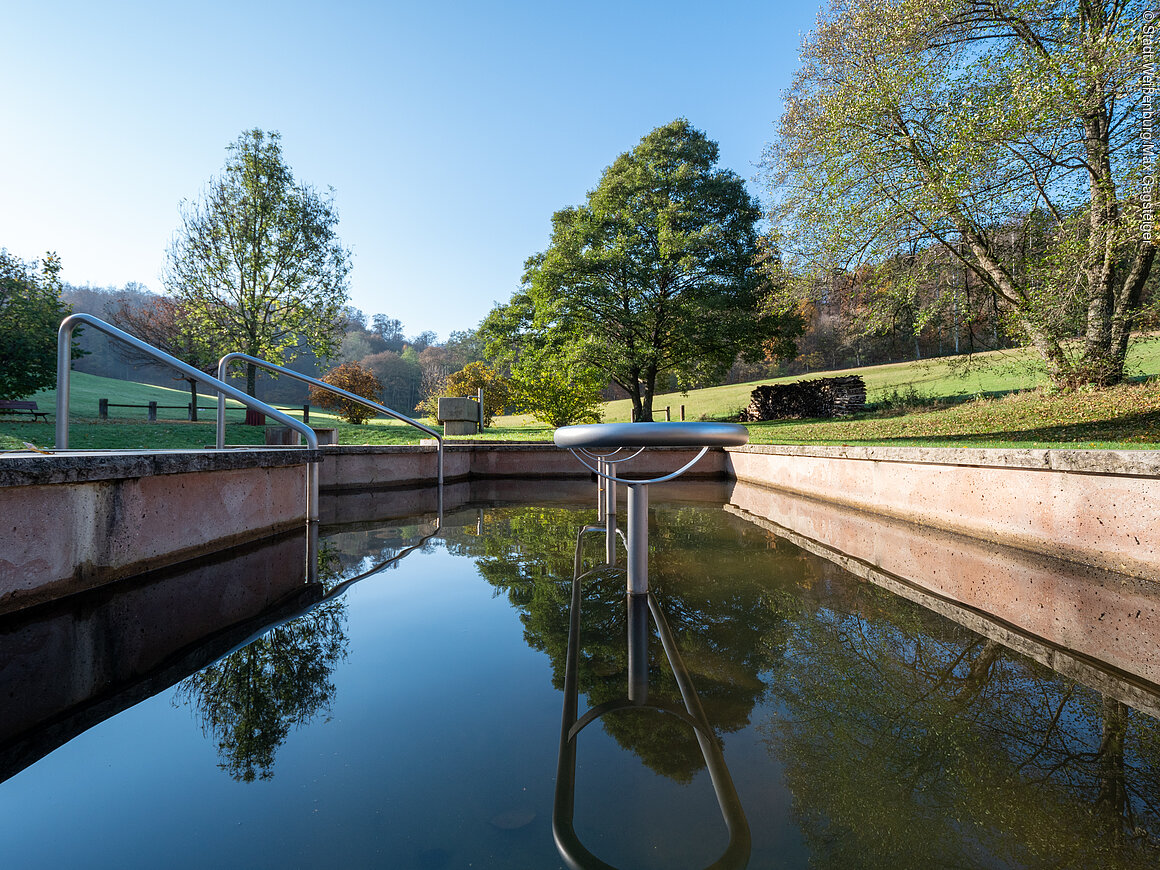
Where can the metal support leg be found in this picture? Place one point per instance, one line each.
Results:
(311, 492)
(637, 538)
(610, 522)
(601, 486)
(638, 634)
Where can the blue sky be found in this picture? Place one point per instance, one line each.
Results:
(450, 132)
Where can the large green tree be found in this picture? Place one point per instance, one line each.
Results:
(163, 322)
(256, 263)
(1005, 131)
(30, 314)
(655, 274)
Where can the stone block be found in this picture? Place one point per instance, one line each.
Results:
(285, 436)
(460, 427)
(457, 408)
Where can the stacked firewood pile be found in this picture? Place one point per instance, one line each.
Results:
(821, 397)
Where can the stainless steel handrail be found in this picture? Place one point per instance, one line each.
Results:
(224, 364)
(581, 441)
(64, 371)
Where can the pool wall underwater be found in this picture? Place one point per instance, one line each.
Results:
(78, 521)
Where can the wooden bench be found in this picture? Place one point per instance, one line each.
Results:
(9, 406)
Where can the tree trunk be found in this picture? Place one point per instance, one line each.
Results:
(646, 412)
(192, 400)
(1112, 801)
(992, 273)
(648, 388)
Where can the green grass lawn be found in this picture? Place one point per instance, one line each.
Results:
(1125, 417)
(997, 401)
(996, 372)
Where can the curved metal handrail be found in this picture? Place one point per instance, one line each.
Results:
(630, 482)
(607, 457)
(224, 364)
(581, 440)
(64, 371)
(615, 435)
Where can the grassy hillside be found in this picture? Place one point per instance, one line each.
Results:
(87, 390)
(936, 402)
(127, 428)
(987, 374)
(1124, 417)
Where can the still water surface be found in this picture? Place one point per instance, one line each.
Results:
(414, 722)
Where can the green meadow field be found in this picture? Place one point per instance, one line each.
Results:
(998, 399)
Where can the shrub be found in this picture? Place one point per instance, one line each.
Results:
(354, 379)
(559, 398)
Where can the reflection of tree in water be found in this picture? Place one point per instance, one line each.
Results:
(908, 741)
(911, 742)
(251, 699)
(705, 581)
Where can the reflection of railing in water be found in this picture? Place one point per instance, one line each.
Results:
(339, 589)
(575, 854)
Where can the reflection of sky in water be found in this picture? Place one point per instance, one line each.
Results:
(859, 730)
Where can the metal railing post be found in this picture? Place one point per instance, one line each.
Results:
(64, 371)
(63, 376)
(637, 538)
(609, 516)
(225, 362)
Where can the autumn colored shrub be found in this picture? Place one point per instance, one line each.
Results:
(354, 379)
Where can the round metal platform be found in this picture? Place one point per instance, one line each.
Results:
(612, 435)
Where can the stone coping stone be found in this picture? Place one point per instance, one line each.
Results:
(39, 469)
(1142, 463)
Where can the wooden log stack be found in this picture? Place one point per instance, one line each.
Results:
(820, 397)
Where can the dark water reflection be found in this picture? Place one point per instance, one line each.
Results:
(413, 720)
(906, 740)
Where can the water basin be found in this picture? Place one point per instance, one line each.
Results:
(412, 719)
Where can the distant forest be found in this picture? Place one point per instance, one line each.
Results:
(849, 322)
(407, 367)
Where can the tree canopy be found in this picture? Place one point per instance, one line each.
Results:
(655, 274)
(1005, 133)
(256, 263)
(30, 314)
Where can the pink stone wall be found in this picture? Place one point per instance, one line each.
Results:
(1109, 617)
(1103, 512)
(354, 467)
(65, 537)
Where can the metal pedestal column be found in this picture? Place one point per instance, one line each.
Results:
(637, 538)
(609, 505)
